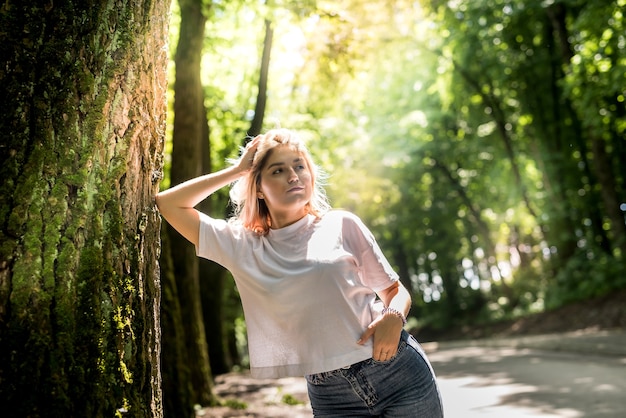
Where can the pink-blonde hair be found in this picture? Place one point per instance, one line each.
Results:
(253, 212)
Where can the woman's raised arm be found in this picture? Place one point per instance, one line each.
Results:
(177, 204)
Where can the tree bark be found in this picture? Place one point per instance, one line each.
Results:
(83, 88)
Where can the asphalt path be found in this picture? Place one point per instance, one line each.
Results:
(512, 382)
(568, 375)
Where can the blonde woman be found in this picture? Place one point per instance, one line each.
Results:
(309, 278)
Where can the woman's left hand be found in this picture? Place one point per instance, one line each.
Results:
(386, 331)
(247, 157)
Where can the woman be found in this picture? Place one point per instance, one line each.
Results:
(308, 278)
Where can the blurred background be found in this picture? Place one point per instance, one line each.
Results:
(481, 141)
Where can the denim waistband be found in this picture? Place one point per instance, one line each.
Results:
(404, 336)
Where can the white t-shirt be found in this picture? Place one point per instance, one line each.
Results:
(307, 290)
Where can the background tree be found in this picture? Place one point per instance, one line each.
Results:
(188, 143)
(83, 123)
(261, 98)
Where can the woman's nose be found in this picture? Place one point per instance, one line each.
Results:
(293, 176)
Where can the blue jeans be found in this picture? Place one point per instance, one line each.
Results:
(403, 387)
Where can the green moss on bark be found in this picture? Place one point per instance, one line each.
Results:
(72, 320)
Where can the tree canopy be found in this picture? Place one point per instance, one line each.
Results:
(482, 141)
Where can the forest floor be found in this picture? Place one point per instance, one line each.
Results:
(287, 397)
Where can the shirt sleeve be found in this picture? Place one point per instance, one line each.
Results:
(217, 240)
(376, 272)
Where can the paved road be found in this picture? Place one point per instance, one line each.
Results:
(572, 375)
(567, 376)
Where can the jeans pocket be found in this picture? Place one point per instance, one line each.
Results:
(317, 378)
(401, 348)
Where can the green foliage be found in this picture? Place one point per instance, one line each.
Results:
(590, 273)
(234, 404)
(291, 400)
(465, 133)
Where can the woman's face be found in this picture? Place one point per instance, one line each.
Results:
(286, 182)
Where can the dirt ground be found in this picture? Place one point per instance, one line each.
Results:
(287, 398)
(259, 398)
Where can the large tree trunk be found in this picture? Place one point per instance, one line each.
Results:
(83, 93)
(187, 164)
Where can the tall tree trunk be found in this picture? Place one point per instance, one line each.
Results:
(212, 277)
(83, 88)
(609, 188)
(261, 99)
(176, 370)
(186, 164)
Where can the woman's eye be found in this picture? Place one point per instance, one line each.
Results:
(300, 167)
(278, 171)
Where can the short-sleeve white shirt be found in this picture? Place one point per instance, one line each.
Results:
(307, 290)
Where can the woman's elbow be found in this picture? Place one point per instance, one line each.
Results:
(162, 205)
(158, 199)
